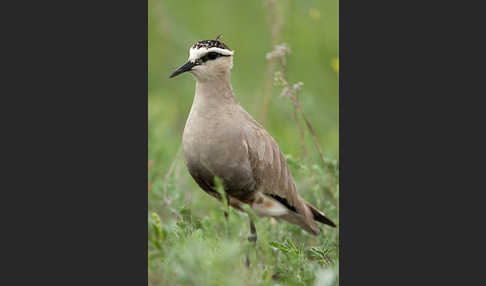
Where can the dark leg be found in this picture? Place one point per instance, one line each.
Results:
(252, 238)
(226, 216)
(253, 235)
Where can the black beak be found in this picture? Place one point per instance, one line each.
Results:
(186, 67)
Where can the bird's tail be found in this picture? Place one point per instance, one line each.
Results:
(319, 216)
(265, 205)
(308, 221)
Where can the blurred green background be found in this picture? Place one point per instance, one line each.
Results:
(251, 28)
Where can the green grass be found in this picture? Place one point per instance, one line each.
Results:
(198, 247)
(190, 242)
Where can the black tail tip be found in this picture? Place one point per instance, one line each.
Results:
(328, 222)
(318, 216)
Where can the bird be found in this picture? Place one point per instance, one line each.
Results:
(222, 140)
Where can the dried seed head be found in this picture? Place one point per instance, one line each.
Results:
(279, 79)
(297, 87)
(290, 92)
(279, 51)
(286, 92)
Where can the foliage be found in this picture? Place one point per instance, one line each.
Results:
(201, 248)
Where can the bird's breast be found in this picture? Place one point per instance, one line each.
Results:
(215, 142)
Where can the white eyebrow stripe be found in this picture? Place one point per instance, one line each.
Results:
(195, 54)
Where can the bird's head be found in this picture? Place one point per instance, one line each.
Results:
(208, 59)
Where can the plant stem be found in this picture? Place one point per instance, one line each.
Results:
(298, 107)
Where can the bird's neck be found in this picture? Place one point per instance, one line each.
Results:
(216, 91)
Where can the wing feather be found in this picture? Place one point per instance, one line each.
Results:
(271, 170)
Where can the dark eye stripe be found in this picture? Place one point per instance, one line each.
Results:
(211, 56)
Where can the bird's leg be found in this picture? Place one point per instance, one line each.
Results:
(226, 215)
(251, 238)
(253, 235)
(226, 218)
(226, 224)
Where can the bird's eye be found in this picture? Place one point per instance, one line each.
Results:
(212, 55)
